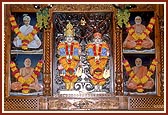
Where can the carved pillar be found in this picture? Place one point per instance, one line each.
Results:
(118, 79)
(160, 44)
(47, 65)
(161, 23)
(43, 103)
(161, 26)
(7, 47)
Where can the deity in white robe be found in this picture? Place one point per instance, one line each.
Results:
(25, 30)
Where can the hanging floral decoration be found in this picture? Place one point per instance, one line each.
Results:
(123, 13)
(140, 37)
(136, 79)
(122, 17)
(26, 39)
(42, 18)
(26, 82)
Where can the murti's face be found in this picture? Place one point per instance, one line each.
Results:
(69, 39)
(27, 62)
(138, 20)
(97, 40)
(26, 22)
(138, 62)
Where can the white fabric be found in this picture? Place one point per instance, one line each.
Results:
(25, 30)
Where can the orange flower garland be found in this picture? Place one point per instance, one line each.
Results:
(15, 73)
(145, 78)
(150, 71)
(25, 39)
(31, 79)
(142, 36)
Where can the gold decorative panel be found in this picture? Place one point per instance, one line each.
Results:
(86, 102)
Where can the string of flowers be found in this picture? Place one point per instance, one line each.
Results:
(15, 72)
(31, 79)
(136, 79)
(142, 36)
(26, 39)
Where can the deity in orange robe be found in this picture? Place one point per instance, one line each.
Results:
(140, 71)
(26, 72)
(139, 28)
(97, 56)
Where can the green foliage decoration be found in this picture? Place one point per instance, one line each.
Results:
(42, 18)
(122, 17)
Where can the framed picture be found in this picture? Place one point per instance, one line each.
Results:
(84, 26)
(140, 65)
(26, 65)
(24, 24)
(140, 51)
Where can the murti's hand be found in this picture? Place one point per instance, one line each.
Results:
(97, 59)
(38, 42)
(106, 73)
(15, 39)
(108, 53)
(68, 57)
(79, 71)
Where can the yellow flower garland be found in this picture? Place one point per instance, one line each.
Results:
(31, 79)
(142, 36)
(25, 39)
(16, 73)
(145, 78)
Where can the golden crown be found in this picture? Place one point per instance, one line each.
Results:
(69, 31)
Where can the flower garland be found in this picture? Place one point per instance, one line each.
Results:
(25, 39)
(69, 53)
(15, 73)
(99, 50)
(31, 79)
(139, 38)
(97, 63)
(97, 53)
(136, 79)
